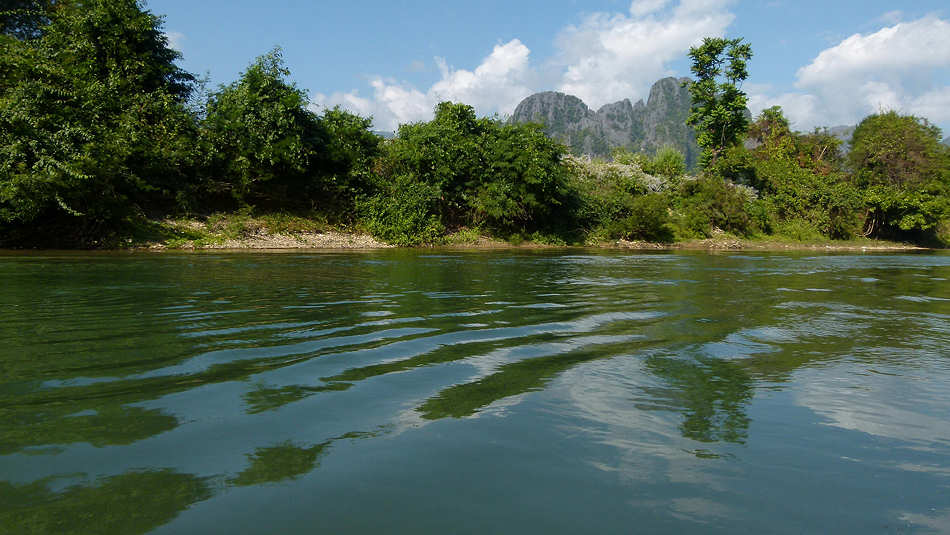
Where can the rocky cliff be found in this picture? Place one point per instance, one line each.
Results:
(640, 127)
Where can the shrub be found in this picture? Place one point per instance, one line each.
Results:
(710, 202)
(647, 218)
(799, 230)
(668, 163)
(405, 213)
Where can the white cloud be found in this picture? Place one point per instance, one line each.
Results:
(606, 58)
(498, 84)
(892, 17)
(611, 57)
(934, 105)
(640, 8)
(500, 81)
(896, 68)
(350, 101)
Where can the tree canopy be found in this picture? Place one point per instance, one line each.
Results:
(719, 106)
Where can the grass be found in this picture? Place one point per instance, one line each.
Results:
(218, 228)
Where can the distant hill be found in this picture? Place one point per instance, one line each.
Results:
(640, 127)
(947, 141)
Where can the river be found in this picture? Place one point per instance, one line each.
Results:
(429, 391)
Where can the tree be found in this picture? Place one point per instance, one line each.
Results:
(24, 19)
(347, 164)
(92, 118)
(905, 171)
(264, 142)
(719, 106)
(800, 176)
(895, 150)
(483, 171)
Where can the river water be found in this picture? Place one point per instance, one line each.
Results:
(426, 391)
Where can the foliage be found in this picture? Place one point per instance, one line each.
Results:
(405, 213)
(350, 151)
(906, 173)
(24, 19)
(735, 164)
(709, 203)
(647, 218)
(719, 106)
(263, 141)
(801, 230)
(668, 163)
(484, 172)
(92, 122)
(605, 189)
(890, 149)
(801, 177)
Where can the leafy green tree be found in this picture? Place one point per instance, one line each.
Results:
(92, 122)
(524, 185)
(348, 160)
(264, 144)
(896, 150)
(719, 106)
(800, 176)
(484, 172)
(905, 171)
(445, 153)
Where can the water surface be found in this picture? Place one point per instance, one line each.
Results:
(471, 392)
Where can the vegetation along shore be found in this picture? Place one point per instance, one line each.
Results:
(106, 143)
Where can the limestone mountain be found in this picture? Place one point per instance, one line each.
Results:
(640, 127)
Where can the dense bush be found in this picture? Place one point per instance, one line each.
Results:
(604, 189)
(708, 203)
(646, 217)
(486, 173)
(404, 213)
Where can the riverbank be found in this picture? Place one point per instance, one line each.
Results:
(276, 232)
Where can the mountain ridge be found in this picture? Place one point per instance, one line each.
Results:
(640, 127)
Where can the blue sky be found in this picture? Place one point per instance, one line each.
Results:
(825, 62)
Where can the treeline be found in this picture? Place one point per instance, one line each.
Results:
(101, 131)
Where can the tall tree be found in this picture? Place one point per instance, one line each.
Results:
(92, 122)
(265, 143)
(906, 173)
(719, 105)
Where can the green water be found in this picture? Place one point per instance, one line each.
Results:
(474, 392)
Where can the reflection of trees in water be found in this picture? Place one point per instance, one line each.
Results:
(287, 460)
(712, 396)
(129, 503)
(100, 425)
(140, 501)
(276, 463)
(512, 379)
(265, 398)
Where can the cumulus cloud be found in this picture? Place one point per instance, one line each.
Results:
(605, 58)
(497, 85)
(898, 67)
(611, 57)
